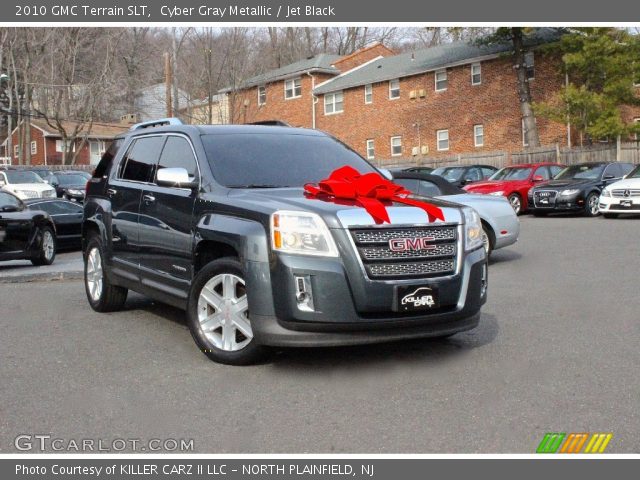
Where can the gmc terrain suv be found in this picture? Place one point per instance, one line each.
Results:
(214, 220)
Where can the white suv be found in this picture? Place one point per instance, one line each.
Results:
(24, 184)
(622, 196)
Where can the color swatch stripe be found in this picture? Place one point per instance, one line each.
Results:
(573, 442)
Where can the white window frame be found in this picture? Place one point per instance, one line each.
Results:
(438, 140)
(477, 65)
(476, 135)
(399, 138)
(34, 147)
(532, 65)
(436, 81)
(60, 147)
(371, 149)
(330, 100)
(262, 89)
(394, 81)
(292, 82)
(368, 92)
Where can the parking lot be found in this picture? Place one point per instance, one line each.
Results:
(556, 351)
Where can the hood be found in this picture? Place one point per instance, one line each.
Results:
(72, 187)
(626, 183)
(37, 187)
(489, 186)
(336, 215)
(558, 184)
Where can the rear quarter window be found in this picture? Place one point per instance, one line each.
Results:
(104, 165)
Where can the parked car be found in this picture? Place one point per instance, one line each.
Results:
(25, 184)
(576, 188)
(461, 175)
(66, 216)
(411, 170)
(514, 182)
(621, 197)
(234, 232)
(69, 185)
(500, 224)
(24, 233)
(43, 172)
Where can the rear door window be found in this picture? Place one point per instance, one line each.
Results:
(139, 163)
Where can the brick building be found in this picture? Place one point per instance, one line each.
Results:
(47, 147)
(444, 100)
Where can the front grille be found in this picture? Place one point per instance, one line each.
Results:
(28, 193)
(548, 195)
(48, 194)
(621, 193)
(437, 257)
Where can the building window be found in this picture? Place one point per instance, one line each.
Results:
(371, 153)
(16, 151)
(34, 147)
(441, 80)
(529, 64)
(396, 146)
(476, 74)
(368, 93)
(333, 103)
(443, 140)
(394, 89)
(478, 135)
(262, 95)
(292, 88)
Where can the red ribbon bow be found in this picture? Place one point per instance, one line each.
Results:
(369, 191)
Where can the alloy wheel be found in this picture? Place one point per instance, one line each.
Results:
(223, 312)
(48, 245)
(94, 274)
(593, 205)
(515, 202)
(486, 243)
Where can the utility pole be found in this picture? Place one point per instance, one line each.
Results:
(168, 83)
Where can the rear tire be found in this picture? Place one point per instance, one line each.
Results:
(48, 247)
(103, 296)
(218, 314)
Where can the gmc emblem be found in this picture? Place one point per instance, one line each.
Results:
(410, 244)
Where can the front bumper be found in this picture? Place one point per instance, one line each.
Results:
(348, 314)
(573, 203)
(618, 205)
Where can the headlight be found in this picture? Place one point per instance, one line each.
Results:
(472, 229)
(572, 191)
(497, 194)
(301, 233)
(73, 191)
(605, 193)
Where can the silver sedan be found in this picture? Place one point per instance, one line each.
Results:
(501, 226)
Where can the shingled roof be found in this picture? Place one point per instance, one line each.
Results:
(421, 61)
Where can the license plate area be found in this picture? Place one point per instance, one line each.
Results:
(415, 298)
(625, 203)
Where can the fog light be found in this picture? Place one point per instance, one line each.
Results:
(304, 294)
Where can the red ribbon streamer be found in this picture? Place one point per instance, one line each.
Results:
(368, 191)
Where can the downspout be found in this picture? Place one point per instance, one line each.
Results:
(314, 100)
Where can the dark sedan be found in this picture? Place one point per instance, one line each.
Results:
(67, 217)
(460, 175)
(576, 188)
(69, 185)
(24, 233)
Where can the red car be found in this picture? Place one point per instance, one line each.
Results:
(515, 181)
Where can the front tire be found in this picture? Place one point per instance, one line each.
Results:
(103, 296)
(516, 203)
(218, 314)
(591, 208)
(46, 253)
(487, 240)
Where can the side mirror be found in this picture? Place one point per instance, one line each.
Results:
(537, 178)
(608, 177)
(174, 177)
(386, 173)
(10, 208)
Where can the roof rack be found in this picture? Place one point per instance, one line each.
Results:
(156, 123)
(270, 123)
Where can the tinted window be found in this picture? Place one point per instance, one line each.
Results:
(429, 189)
(487, 172)
(635, 173)
(511, 173)
(626, 167)
(8, 200)
(22, 176)
(613, 170)
(56, 208)
(473, 175)
(555, 170)
(105, 162)
(453, 174)
(70, 179)
(410, 184)
(140, 161)
(542, 172)
(177, 153)
(280, 160)
(584, 172)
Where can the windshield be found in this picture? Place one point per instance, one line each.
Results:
(511, 173)
(271, 161)
(452, 174)
(635, 173)
(71, 179)
(8, 200)
(580, 172)
(20, 176)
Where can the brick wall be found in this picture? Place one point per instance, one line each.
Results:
(53, 157)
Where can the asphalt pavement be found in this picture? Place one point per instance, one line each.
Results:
(556, 351)
(66, 266)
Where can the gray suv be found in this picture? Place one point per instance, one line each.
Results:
(214, 220)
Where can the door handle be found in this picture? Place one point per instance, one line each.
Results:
(111, 192)
(148, 198)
